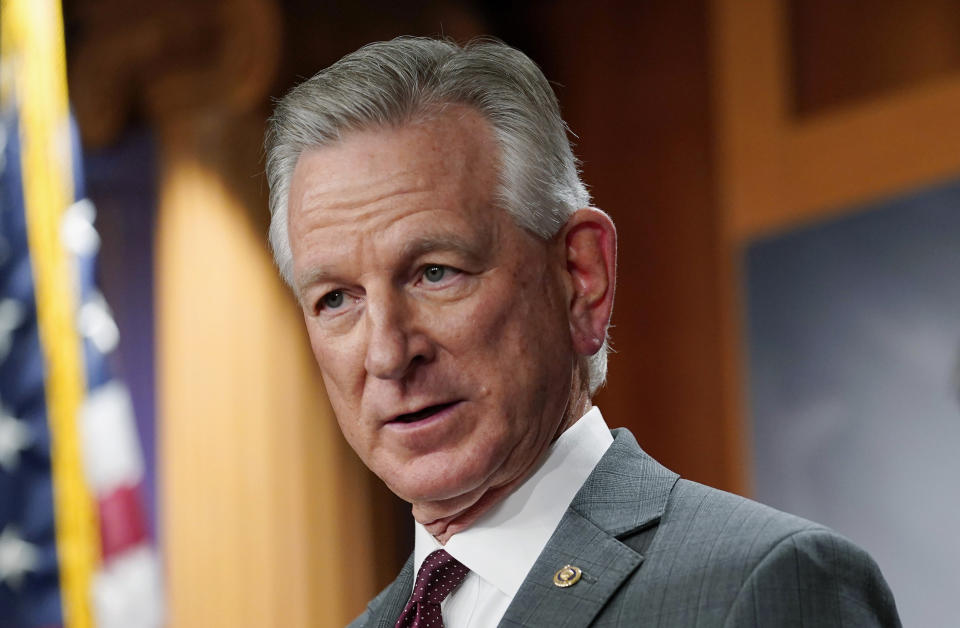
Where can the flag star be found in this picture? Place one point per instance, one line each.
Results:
(77, 230)
(12, 315)
(16, 557)
(14, 438)
(96, 323)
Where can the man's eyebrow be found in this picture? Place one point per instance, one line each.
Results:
(422, 245)
(317, 275)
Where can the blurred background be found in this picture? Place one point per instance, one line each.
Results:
(785, 179)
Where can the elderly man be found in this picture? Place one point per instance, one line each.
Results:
(457, 287)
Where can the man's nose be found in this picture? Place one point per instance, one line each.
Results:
(395, 345)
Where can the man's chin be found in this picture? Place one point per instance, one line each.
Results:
(438, 483)
(442, 486)
(444, 519)
(442, 497)
(428, 507)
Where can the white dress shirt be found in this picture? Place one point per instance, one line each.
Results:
(501, 546)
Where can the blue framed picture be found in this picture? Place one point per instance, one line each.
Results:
(853, 338)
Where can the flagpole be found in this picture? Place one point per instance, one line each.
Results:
(32, 39)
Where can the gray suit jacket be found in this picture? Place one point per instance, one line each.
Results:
(656, 550)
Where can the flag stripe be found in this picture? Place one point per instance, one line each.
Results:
(35, 27)
(122, 524)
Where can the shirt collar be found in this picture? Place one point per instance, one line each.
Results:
(502, 545)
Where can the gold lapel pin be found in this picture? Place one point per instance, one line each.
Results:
(567, 576)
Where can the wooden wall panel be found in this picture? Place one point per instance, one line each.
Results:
(777, 168)
(262, 499)
(844, 53)
(634, 85)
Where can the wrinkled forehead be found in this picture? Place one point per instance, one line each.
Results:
(451, 147)
(404, 180)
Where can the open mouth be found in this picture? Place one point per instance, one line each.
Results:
(425, 413)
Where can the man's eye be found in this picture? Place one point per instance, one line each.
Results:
(332, 300)
(435, 273)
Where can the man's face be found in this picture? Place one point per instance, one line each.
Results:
(440, 327)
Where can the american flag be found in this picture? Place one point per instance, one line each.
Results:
(75, 550)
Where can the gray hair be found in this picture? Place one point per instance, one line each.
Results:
(396, 82)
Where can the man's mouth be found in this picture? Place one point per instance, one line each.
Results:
(425, 413)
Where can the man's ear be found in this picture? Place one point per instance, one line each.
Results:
(590, 244)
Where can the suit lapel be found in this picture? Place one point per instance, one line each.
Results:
(628, 489)
(626, 492)
(603, 560)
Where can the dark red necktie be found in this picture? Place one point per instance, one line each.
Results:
(439, 574)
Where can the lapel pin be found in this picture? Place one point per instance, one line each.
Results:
(567, 576)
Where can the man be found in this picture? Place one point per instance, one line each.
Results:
(457, 287)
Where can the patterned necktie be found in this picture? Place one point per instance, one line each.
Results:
(439, 574)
